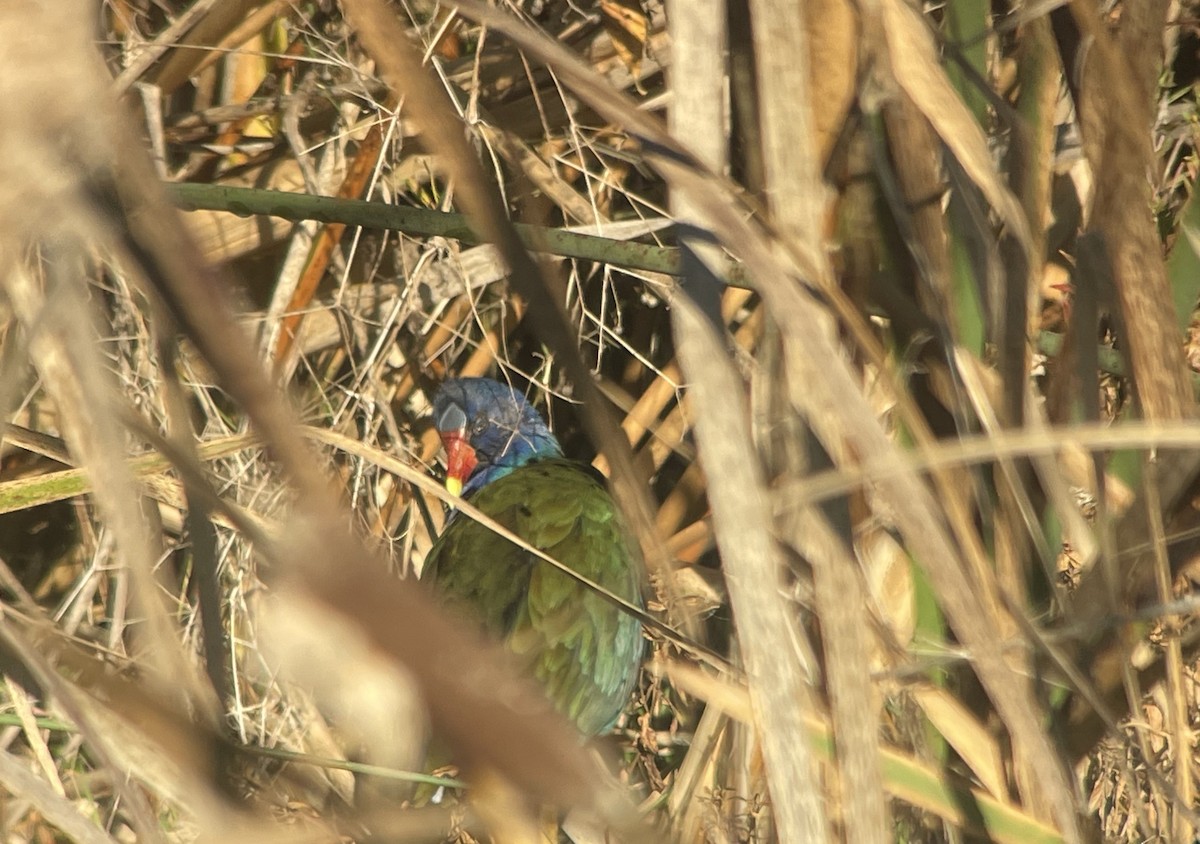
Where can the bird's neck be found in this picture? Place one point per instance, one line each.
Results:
(521, 451)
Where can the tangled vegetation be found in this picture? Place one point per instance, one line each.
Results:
(878, 319)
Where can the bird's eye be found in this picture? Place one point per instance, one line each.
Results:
(479, 425)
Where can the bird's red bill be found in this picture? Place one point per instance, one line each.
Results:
(460, 460)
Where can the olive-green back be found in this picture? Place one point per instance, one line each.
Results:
(584, 651)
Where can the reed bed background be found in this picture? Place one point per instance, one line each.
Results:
(878, 316)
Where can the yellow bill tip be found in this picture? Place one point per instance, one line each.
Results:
(454, 486)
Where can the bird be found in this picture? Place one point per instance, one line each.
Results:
(502, 457)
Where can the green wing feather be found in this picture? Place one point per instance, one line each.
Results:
(584, 651)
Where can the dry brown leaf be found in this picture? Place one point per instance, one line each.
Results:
(889, 574)
(627, 25)
(833, 63)
(966, 735)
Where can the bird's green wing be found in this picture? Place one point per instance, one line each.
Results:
(584, 651)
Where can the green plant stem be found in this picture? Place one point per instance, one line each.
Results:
(423, 222)
(420, 221)
(353, 767)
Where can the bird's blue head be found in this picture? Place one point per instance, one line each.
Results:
(488, 429)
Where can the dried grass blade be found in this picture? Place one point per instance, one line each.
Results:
(358, 174)
(741, 512)
(218, 19)
(966, 735)
(14, 645)
(62, 344)
(23, 704)
(916, 69)
(150, 53)
(22, 493)
(795, 122)
(1177, 692)
(20, 783)
(753, 574)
